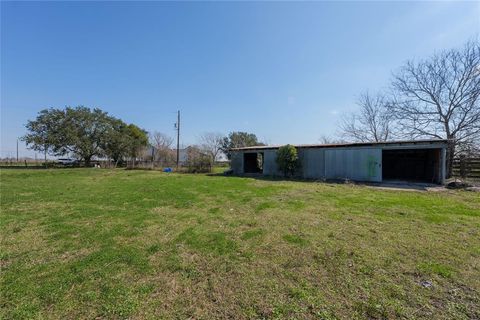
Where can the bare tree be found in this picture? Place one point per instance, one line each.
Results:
(439, 97)
(211, 143)
(373, 122)
(325, 139)
(163, 147)
(161, 140)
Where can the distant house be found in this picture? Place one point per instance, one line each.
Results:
(187, 153)
(183, 155)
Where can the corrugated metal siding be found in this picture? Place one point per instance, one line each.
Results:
(360, 164)
(236, 162)
(269, 163)
(312, 163)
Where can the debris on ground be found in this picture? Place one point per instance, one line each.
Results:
(426, 284)
(473, 189)
(458, 185)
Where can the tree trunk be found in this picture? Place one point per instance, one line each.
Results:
(450, 156)
(88, 161)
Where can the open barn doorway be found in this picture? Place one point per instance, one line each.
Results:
(253, 162)
(413, 165)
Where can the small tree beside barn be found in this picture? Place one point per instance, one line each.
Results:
(287, 159)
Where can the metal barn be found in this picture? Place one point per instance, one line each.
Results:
(409, 161)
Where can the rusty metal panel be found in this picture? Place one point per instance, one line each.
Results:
(360, 164)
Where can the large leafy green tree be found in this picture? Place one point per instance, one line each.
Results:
(84, 132)
(123, 140)
(138, 138)
(239, 139)
(45, 131)
(117, 143)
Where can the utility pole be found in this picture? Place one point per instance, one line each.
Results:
(17, 149)
(177, 126)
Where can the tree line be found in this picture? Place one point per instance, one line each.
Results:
(213, 144)
(88, 133)
(85, 133)
(435, 98)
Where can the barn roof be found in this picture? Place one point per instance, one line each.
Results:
(441, 142)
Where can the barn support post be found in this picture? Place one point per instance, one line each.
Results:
(443, 171)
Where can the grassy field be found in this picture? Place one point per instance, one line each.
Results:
(86, 243)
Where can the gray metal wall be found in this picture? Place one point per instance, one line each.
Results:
(269, 163)
(312, 163)
(236, 162)
(360, 164)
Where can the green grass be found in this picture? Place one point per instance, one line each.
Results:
(81, 243)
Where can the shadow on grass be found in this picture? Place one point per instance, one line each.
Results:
(394, 185)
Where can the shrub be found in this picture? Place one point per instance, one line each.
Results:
(287, 159)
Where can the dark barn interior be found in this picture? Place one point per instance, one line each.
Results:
(253, 162)
(416, 165)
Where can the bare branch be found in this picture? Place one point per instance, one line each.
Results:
(211, 143)
(163, 147)
(439, 97)
(373, 122)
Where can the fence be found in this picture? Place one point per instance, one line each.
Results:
(472, 166)
(193, 167)
(147, 164)
(41, 164)
(20, 163)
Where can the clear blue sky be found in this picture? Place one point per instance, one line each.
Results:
(285, 71)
